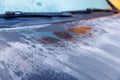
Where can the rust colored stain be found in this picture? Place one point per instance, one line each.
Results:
(49, 40)
(82, 30)
(64, 35)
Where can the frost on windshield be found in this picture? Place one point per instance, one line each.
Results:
(50, 5)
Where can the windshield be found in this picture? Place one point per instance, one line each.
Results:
(50, 5)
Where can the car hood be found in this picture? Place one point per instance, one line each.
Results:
(23, 56)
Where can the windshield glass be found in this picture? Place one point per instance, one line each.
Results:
(50, 5)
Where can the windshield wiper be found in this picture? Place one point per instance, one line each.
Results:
(17, 14)
(90, 10)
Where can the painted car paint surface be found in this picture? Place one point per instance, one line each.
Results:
(88, 56)
(116, 3)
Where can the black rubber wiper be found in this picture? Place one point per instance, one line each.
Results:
(17, 14)
(90, 10)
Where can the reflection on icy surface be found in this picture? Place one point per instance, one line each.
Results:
(24, 57)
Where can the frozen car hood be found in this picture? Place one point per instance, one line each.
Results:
(24, 57)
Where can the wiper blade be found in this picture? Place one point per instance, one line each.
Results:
(90, 10)
(17, 14)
